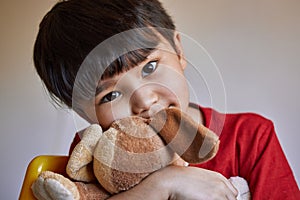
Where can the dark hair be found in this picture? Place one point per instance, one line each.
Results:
(73, 28)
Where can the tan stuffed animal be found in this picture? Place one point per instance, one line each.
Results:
(130, 150)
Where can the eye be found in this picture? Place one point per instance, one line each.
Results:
(110, 97)
(149, 68)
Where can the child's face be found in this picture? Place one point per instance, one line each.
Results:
(156, 83)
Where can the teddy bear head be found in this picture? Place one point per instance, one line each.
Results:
(134, 147)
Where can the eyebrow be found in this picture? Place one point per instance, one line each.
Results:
(101, 87)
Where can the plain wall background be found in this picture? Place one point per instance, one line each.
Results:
(254, 43)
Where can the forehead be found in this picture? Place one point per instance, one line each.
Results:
(133, 58)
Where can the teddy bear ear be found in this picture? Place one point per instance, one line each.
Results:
(79, 166)
(192, 141)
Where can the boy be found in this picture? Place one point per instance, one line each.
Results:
(137, 69)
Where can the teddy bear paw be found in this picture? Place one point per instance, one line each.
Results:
(53, 186)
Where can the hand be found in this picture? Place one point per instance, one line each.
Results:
(196, 183)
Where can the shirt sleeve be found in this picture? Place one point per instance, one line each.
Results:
(266, 168)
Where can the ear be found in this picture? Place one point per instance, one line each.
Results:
(191, 141)
(179, 50)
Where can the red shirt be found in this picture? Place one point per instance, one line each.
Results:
(249, 148)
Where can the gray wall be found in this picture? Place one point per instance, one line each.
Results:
(255, 45)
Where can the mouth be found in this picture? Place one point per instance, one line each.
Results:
(154, 110)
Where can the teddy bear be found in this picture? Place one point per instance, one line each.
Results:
(109, 162)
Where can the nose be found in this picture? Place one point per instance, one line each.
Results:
(142, 100)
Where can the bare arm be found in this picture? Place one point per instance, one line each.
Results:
(180, 183)
(150, 188)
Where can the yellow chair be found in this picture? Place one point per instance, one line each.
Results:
(36, 166)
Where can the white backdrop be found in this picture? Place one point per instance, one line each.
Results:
(254, 43)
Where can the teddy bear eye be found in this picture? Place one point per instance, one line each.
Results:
(149, 68)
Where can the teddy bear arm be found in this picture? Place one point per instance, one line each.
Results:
(79, 166)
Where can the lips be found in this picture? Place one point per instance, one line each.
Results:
(154, 109)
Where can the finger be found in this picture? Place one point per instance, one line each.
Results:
(231, 193)
(231, 196)
(231, 187)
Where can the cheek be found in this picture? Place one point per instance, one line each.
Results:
(106, 114)
(180, 91)
(175, 82)
(104, 118)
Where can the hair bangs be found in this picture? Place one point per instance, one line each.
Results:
(126, 62)
(138, 45)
